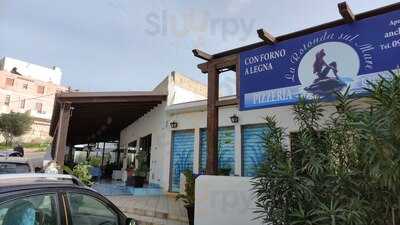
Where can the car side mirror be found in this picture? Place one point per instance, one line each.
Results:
(131, 221)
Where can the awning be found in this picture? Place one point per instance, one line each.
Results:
(100, 116)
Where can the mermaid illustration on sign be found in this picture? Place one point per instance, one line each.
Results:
(325, 85)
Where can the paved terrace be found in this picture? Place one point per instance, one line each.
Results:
(152, 210)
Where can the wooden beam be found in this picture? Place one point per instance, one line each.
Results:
(345, 11)
(54, 142)
(220, 63)
(227, 102)
(61, 142)
(266, 37)
(202, 55)
(212, 122)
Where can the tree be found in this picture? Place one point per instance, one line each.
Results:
(342, 172)
(14, 125)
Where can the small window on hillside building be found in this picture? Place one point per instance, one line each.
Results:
(40, 89)
(25, 86)
(7, 101)
(10, 82)
(22, 104)
(39, 107)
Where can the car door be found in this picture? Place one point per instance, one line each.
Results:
(87, 208)
(30, 209)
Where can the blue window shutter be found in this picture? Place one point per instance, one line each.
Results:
(253, 148)
(182, 156)
(226, 149)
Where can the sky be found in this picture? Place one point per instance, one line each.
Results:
(126, 45)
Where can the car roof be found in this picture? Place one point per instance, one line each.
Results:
(14, 160)
(14, 182)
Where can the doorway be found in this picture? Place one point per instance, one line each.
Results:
(145, 145)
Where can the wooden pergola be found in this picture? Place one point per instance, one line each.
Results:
(92, 117)
(229, 60)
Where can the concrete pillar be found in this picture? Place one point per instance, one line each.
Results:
(62, 134)
(196, 152)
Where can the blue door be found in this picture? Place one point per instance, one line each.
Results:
(226, 149)
(182, 156)
(253, 148)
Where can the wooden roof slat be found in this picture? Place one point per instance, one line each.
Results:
(266, 37)
(202, 55)
(345, 11)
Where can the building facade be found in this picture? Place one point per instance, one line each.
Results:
(25, 87)
(177, 130)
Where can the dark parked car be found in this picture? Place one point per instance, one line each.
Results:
(51, 199)
(15, 165)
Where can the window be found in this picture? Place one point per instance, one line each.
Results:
(7, 100)
(22, 104)
(10, 82)
(7, 168)
(87, 210)
(38, 209)
(253, 148)
(39, 107)
(40, 89)
(226, 150)
(25, 86)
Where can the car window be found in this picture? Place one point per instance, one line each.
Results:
(87, 210)
(7, 167)
(30, 210)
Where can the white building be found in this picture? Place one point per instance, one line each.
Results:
(175, 149)
(32, 71)
(26, 87)
(171, 130)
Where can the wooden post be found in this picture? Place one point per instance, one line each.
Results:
(61, 142)
(212, 121)
(102, 155)
(70, 154)
(118, 154)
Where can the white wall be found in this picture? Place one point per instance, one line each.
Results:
(157, 121)
(181, 95)
(31, 70)
(224, 201)
(153, 123)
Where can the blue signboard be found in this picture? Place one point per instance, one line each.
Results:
(320, 63)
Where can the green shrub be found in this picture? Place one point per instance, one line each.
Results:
(342, 172)
(143, 168)
(189, 197)
(95, 161)
(82, 172)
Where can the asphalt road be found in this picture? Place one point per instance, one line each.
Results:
(36, 158)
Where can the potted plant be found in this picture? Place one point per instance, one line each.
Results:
(188, 197)
(95, 170)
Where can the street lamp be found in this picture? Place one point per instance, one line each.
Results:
(234, 118)
(173, 124)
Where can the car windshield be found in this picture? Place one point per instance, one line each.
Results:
(9, 167)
